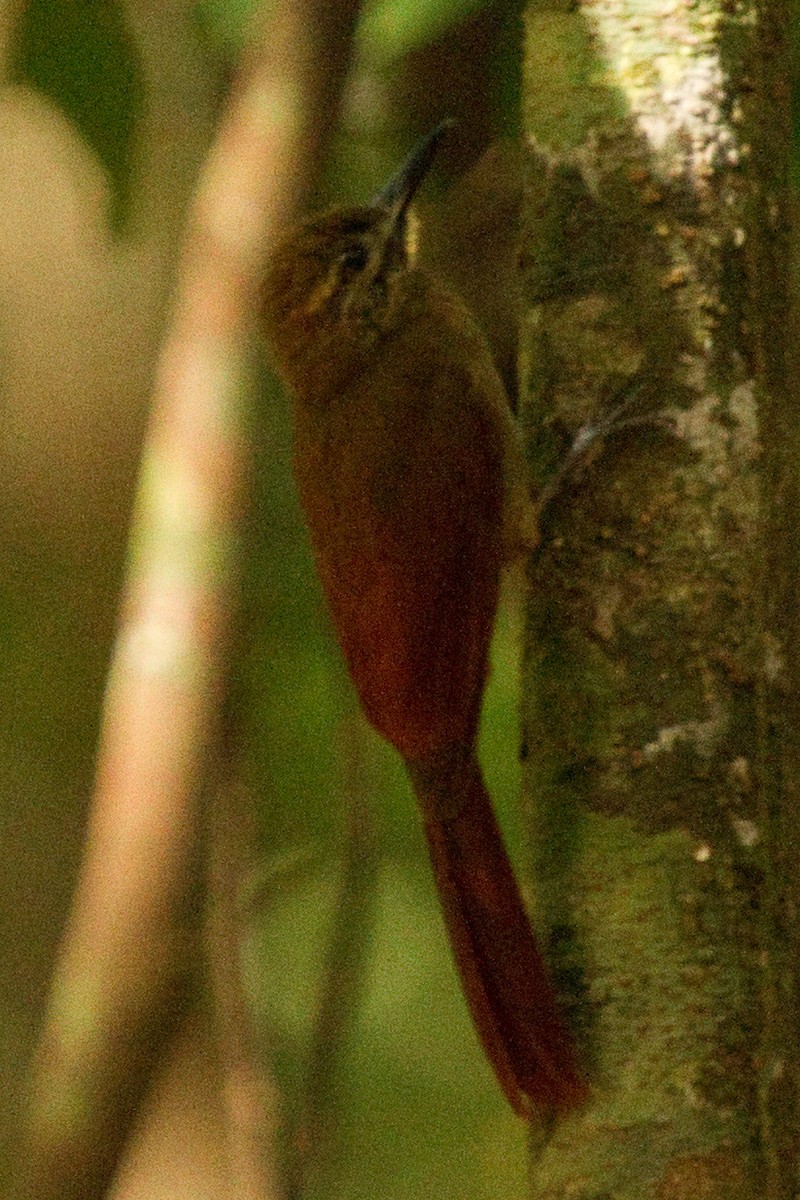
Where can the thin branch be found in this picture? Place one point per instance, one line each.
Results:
(343, 979)
(130, 951)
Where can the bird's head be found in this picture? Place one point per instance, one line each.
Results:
(335, 285)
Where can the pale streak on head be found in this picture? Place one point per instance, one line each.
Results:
(323, 291)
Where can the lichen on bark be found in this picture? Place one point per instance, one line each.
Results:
(650, 658)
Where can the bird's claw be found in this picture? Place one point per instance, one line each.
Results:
(575, 460)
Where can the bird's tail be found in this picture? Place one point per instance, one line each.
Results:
(503, 975)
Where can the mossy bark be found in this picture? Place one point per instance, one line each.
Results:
(661, 716)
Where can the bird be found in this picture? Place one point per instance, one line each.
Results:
(412, 479)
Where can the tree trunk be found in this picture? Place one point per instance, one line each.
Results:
(661, 718)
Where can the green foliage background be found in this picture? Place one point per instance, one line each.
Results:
(415, 1107)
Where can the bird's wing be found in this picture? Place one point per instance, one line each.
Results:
(405, 511)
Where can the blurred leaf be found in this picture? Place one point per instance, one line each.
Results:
(225, 22)
(392, 28)
(80, 54)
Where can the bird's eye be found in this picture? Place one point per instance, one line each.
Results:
(355, 257)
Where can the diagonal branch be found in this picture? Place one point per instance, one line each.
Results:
(131, 949)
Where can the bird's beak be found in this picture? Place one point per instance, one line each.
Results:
(398, 193)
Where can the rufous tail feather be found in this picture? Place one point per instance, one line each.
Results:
(505, 980)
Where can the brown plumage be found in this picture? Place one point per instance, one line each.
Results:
(411, 478)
